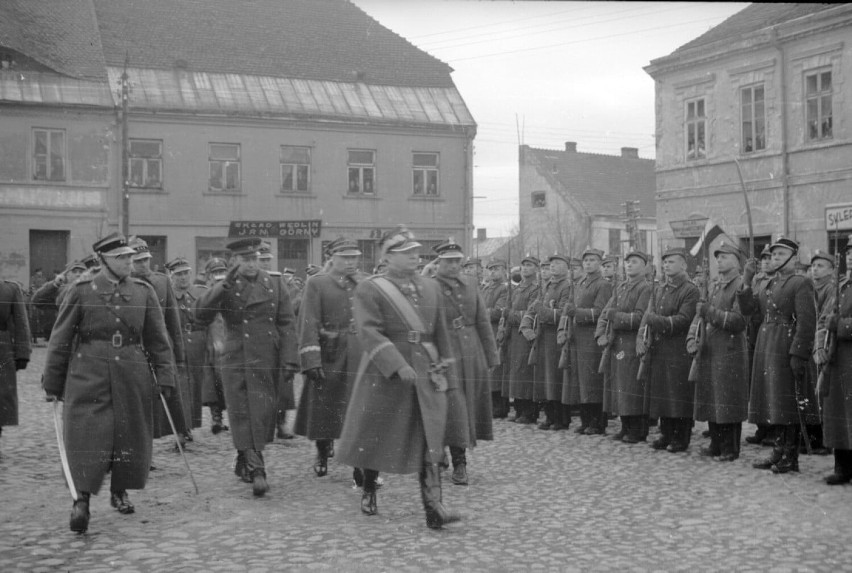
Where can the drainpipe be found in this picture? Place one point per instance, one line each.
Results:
(785, 159)
(467, 191)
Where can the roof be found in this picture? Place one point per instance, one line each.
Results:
(598, 183)
(753, 18)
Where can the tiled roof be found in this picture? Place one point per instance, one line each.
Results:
(752, 18)
(60, 34)
(305, 39)
(599, 183)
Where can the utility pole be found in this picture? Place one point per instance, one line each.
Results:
(125, 168)
(631, 209)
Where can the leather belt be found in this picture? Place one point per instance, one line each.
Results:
(458, 322)
(117, 340)
(780, 320)
(417, 337)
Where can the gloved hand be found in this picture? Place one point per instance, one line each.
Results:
(610, 314)
(570, 311)
(602, 341)
(407, 374)
(561, 337)
(798, 365)
(315, 375)
(691, 347)
(749, 271)
(167, 392)
(656, 322)
(60, 279)
(231, 278)
(820, 356)
(831, 323)
(21, 363)
(537, 308)
(529, 334)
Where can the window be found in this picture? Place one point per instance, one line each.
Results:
(539, 199)
(753, 119)
(362, 172)
(295, 169)
(224, 166)
(49, 154)
(145, 164)
(425, 174)
(818, 104)
(695, 130)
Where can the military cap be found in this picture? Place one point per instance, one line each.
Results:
(90, 261)
(849, 242)
(215, 265)
(472, 261)
(765, 252)
(75, 265)
(545, 263)
(820, 254)
(113, 245)
(398, 240)
(635, 253)
(496, 263)
(178, 265)
(311, 270)
(559, 256)
(140, 247)
(264, 251)
(725, 247)
(288, 271)
(245, 246)
(528, 258)
(676, 252)
(449, 250)
(345, 247)
(613, 259)
(590, 251)
(786, 243)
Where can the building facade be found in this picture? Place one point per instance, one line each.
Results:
(295, 120)
(767, 90)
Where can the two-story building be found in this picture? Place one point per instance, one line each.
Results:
(297, 120)
(765, 90)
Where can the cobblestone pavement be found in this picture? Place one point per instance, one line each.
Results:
(536, 501)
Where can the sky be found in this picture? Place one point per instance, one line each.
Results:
(543, 73)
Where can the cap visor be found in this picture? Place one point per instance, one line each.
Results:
(120, 251)
(406, 247)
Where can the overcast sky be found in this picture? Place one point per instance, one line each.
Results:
(559, 71)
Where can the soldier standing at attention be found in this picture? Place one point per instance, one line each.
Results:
(761, 436)
(822, 274)
(212, 394)
(475, 352)
(260, 340)
(194, 339)
(609, 266)
(721, 391)
(109, 337)
(329, 351)
(672, 394)
(397, 416)
(14, 349)
(782, 352)
(518, 370)
(496, 296)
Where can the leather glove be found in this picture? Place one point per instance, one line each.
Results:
(749, 271)
(821, 357)
(656, 322)
(602, 341)
(231, 278)
(691, 347)
(831, 323)
(315, 375)
(561, 337)
(21, 363)
(529, 334)
(167, 392)
(570, 311)
(407, 374)
(797, 365)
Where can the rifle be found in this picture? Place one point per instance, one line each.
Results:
(642, 372)
(502, 339)
(830, 340)
(701, 327)
(566, 323)
(604, 367)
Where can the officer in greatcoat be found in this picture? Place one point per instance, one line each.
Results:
(782, 352)
(836, 393)
(618, 326)
(672, 395)
(591, 293)
(721, 391)
(14, 349)
(475, 352)
(259, 341)
(329, 351)
(495, 293)
(50, 294)
(765, 272)
(518, 369)
(397, 416)
(822, 274)
(109, 337)
(212, 394)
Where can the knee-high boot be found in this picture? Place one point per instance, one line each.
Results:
(459, 458)
(257, 471)
(430, 491)
(368, 496)
(790, 460)
(842, 468)
(777, 449)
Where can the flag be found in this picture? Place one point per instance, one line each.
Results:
(711, 232)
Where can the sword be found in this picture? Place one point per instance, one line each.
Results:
(177, 440)
(63, 456)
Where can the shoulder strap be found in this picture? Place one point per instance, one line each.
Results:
(401, 304)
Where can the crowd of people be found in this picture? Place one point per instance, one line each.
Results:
(406, 368)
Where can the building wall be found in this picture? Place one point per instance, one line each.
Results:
(818, 173)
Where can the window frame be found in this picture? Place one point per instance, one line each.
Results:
(294, 168)
(700, 124)
(819, 96)
(754, 119)
(538, 195)
(362, 168)
(224, 170)
(424, 171)
(131, 157)
(48, 155)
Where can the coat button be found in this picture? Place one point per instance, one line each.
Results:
(246, 335)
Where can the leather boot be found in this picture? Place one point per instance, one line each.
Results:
(584, 419)
(759, 435)
(715, 447)
(120, 501)
(729, 441)
(368, 496)
(240, 469)
(79, 521)
(257, 472)
(777, 451)
(217, 425)
(790, 461)
(549, 416)
(666, 431)
(430, 491)
(625, 427)
(321, 463)
(597, 419)
(459, 465)
(842, 468)
(681, 430)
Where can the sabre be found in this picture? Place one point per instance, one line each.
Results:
(177, 440)
(63, 456)
(748, 209)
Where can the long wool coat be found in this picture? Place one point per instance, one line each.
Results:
(518, 370)
(627, 396)
(327, 340)
(390, 425)
(721, 393)
(192, 373)
(786, 305)
(109, 391)
(14, 344)
(581, 383)
(547, 309)
(837, 405)
(259, 340)
(475, 351)
(496, 297)
(672, 395)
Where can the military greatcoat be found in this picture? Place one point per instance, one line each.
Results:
(96, 363)
(786, 306)
(327, 340)
(547, 310)
(14, 345)
(194, 334)
(627, 396)
(837, 401)
(672, 394)
(390, 425)
(518, 369)
(583, 384)
(496, 297)
(259, 340)
(721, 393)
(475, 351)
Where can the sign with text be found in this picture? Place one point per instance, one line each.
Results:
(838, 217)
(276, 229)
(688, 228)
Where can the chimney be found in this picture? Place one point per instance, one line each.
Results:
(480, 234)
(631, 152)
(571, 146)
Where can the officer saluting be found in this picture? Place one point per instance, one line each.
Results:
(108, 328)
(259, 340)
